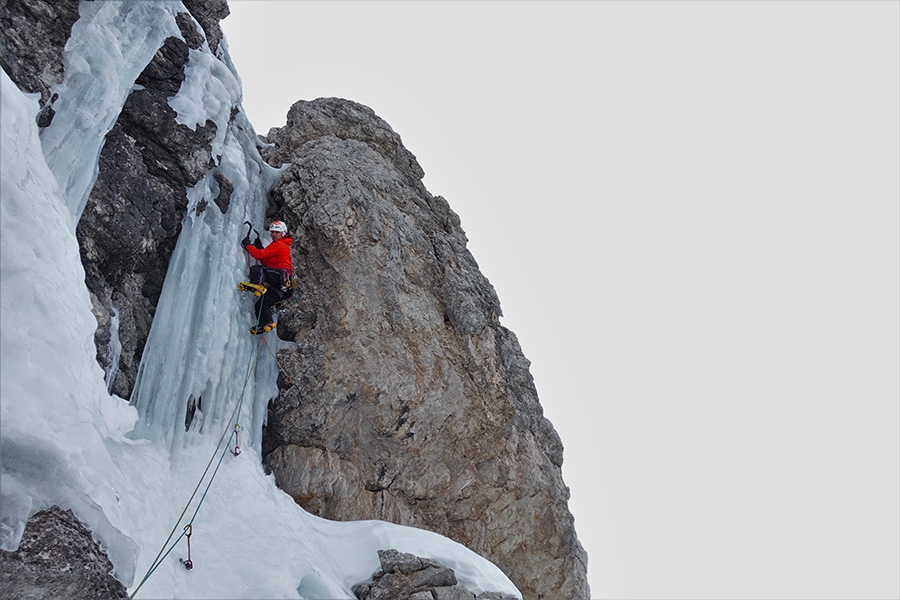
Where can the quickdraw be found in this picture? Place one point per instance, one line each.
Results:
(237, 449)
(163, 553)
(188, 530)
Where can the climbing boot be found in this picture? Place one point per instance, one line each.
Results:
(258, 289)
(262, 329)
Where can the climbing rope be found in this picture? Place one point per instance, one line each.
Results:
(287, 376)
(188, 529)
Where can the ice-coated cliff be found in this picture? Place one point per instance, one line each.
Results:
(403, 411)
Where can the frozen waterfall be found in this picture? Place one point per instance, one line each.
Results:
(127, 469)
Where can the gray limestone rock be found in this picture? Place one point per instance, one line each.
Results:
(406, 399)
(33, 34)
(404, 576)
(453, 592)
(132, 219)
(57, 558)
(394, 561)
(208, 13)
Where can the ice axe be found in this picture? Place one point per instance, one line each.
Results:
(250, 227)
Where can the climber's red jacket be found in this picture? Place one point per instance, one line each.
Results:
(276, 255)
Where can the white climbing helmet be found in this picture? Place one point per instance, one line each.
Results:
(278, 226)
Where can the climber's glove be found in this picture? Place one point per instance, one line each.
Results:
(245, 242)
(256, 243)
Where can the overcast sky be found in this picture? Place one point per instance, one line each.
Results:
(691, 214)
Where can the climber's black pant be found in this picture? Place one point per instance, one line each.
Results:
(274, 281)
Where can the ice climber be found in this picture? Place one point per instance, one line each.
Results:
(271, 278)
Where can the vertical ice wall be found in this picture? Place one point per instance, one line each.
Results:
(198, 313)
(201, 318)
(110, 44)
(56, 417)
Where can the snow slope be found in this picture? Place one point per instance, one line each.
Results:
(128, 470)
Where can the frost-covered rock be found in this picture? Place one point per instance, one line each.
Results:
(57, 558)
(133, 216)
(405, 576)
(408, 401)
(33, 34)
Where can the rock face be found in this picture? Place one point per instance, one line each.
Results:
(407, 400)
(33, 34)
(133, 217)
(57, 558)
(405, 576)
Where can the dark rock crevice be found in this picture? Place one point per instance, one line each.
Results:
(208, 13)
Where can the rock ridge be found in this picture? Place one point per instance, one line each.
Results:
(57, 558)
(405, 576)
(406, 400)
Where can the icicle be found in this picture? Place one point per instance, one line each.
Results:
(115, 350)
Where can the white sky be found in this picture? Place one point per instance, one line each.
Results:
(691, 214)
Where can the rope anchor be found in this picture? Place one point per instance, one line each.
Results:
(237, 449)
(187, 563)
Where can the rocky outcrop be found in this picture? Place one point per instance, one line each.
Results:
(133, 217)
(57, 558)
(404, 576)
(208, 13)
(405, 399)
(33, 34)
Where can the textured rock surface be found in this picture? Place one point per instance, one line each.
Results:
(33, 34)
(408, 401)
(208, 13)
(57, 558)
(405, 576)
(133, 216)
(131, 222)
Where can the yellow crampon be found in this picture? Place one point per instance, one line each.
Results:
(258, 289)
(262, 329)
